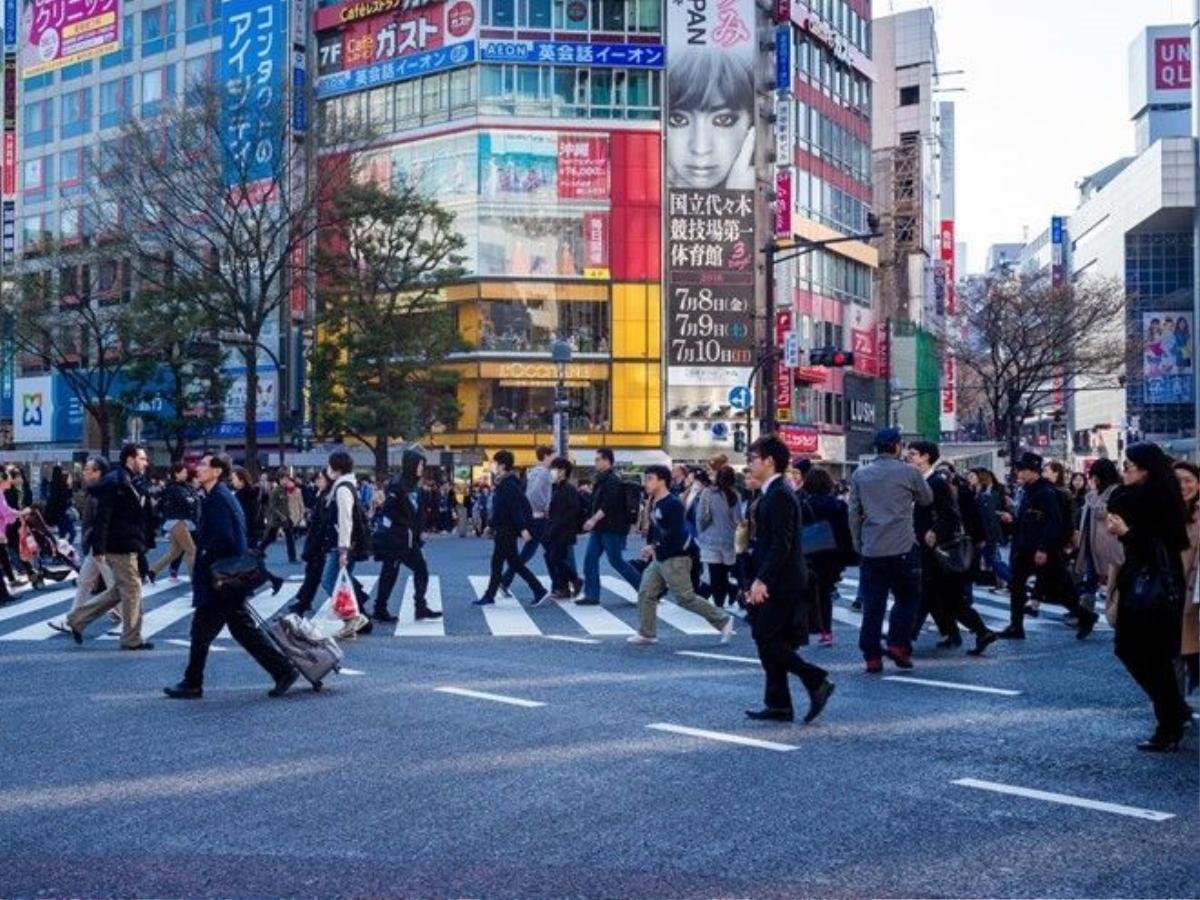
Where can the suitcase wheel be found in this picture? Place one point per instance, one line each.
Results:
(317, 685)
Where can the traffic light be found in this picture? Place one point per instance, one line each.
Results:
(739, 440)
(830, 357)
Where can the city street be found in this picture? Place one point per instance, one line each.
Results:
(518, 753)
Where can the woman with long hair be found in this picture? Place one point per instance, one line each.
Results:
(1188, 476)
(179, 509)
(818, 504)
(1099, 551)
(1149, 518)
(990, 501)
(717, 519)
(249, 497)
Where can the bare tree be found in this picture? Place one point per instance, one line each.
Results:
(1023, 342)
(386, 326)
(221, 203)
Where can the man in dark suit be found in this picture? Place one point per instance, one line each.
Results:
(222, 535)
(511, 518)
(778, 604)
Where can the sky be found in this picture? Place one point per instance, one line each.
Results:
(1045, 103)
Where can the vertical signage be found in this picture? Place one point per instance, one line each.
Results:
(10, 24)
(946, 254)
(253, 57)
(10, 233)
(783, 373)
(783, 58)
(785, 139)
(1058, 276)
(9, 160)
(783, 202)
(710, 235)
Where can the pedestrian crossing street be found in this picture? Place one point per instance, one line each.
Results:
(167, 612)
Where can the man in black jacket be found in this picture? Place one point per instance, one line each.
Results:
(562, 527)
(222, 535)
(609, 527)
(399, 542)
(779, 613)
(943, 593)
(511, 518)
(1039, 536)
(119, 537)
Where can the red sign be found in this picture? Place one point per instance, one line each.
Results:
(947, 257)
(885, 351)
(595, 240)
(948, 389)
(801, 440)
(863, 344)
(395, 30)
(460, 18)
(783, 203)
(582, 167)
(1172, 63)
(10, 163)
(783, 375)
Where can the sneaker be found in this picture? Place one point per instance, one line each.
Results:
(561, 594)
(544, 600)
(727, 632)
(484, 601)
(587, 601)
(874, 666)
(59, 625)
(114, 616)
(899, 656)
(576, 587)
(826, 639)
(641, 639)
(1087, 622)
(424, 613)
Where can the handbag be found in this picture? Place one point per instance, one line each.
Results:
(1153, 589)
(239, 575)
(817, 538)
(955, 555)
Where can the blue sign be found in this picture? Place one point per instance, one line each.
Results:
(740, 397)
(253, 66)
(783, 57)
(381, 73)
(299, 101)
(1056, 229)
(632, 56)
(10, 24)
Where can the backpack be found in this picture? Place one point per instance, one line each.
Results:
(360, 533)
(632, 491)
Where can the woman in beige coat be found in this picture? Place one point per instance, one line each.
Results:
(1098, 550)
(1189, 647)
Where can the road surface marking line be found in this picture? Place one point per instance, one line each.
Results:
(180, 642)
(267, 604)
(506, 617)
(671, 613)
(595, 619)
(495, 698)
(975, 688)
(408, 626)
(722, 736)
(40, 631)
(699, 654)
(1065, 799)
(345, 671)
(571, 639)
(162, 617)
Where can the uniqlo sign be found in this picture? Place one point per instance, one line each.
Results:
(1172, 63)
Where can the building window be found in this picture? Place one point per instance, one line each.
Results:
(33, 180)
(201, 18)
(499, 13)
(71, 231)
(125, 54)
(518, 405)
(158, 29)
(39, 123)
(157, 85)
(76, 113)
(114, 101)
(910, 95)
(33, 230)
(70, 171)
(532, 326)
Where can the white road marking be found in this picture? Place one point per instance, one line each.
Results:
(723, 736)
(495, 698)
(976, 688)
(179, 642)
(571, 639)
(595, 619)
(345, 671)
(698, 654)
(1065, 799)
(408, 626)
(671, 613)
(162, 617)
(267, 604)
(40, 631)
(506, 617)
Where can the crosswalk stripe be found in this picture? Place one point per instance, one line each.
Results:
(506, 617)
(161, 617)
(408, 626)
(595, 619)
(40, 631)
(675, 616)
(267, 604)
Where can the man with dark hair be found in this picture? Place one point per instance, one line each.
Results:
(609, 526)
(882, 498)
(222, 535)
(538, 489)
(944, 594)
(119, 537)
(91, 572)
(511, 518)
(341, 511)
(779, 612)
(562, 527)
(669, 558)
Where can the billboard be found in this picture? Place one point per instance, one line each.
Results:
(45, 410)
(253, 63)
(625, 56)
(1168, 357)
(232, 424)
(710, 237)
(56, 33)
(383, 42)
(1160, 67)
(1172, 61)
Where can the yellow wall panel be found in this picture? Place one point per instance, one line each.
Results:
(468, 401)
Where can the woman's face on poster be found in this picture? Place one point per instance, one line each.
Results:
(704, 144)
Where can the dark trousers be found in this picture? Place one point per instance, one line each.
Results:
(947, 597)
(877, 576)
(504, 552)
(778, 657)
(1055, 583)
(414, 559)
(826, 586)
(313, 569)
(537, 530)
(718, 581)
(207, 624)
(560, 560)
(1154, 670)
(289, 535)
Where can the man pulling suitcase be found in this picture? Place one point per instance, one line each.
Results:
(222, 534)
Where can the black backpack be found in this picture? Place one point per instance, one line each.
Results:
(360, 534)
(632, 491)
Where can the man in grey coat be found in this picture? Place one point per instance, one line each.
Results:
(882, 497)
(538, 491)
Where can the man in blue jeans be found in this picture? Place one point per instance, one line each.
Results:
(882, 498)
(609, 527)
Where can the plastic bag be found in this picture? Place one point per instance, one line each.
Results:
(345, 604)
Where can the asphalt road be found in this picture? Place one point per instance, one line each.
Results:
(570, 775)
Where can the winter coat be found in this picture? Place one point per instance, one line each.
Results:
(1104, 549)
(122, 514)
(180, 502)
(716, 527)
(250, 499)
(1191, 569)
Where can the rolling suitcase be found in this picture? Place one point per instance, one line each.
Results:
(309, 651)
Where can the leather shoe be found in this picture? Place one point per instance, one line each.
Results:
(817, 700)
(426, 613)
(982, 642)
(1012, 634)
(276, 584)
(768, 714)
(587, 601)
(1086, 623)
(382, 615)
(283, 684)
(183, 691)
(76, 634)
(144, 645)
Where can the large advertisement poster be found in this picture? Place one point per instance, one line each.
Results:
(253, 60)
(56, 33)
(1168, 357)
(710, 192)
(365, 45)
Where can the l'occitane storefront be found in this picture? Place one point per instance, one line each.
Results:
(507, 381)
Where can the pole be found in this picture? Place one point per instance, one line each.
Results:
(767, 419)
(1195, 224)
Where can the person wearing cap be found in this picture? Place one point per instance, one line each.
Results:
(1039, 536)
(883, 496)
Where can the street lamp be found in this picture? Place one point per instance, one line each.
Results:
(560, 352)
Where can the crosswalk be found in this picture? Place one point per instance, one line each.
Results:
(168, 609)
